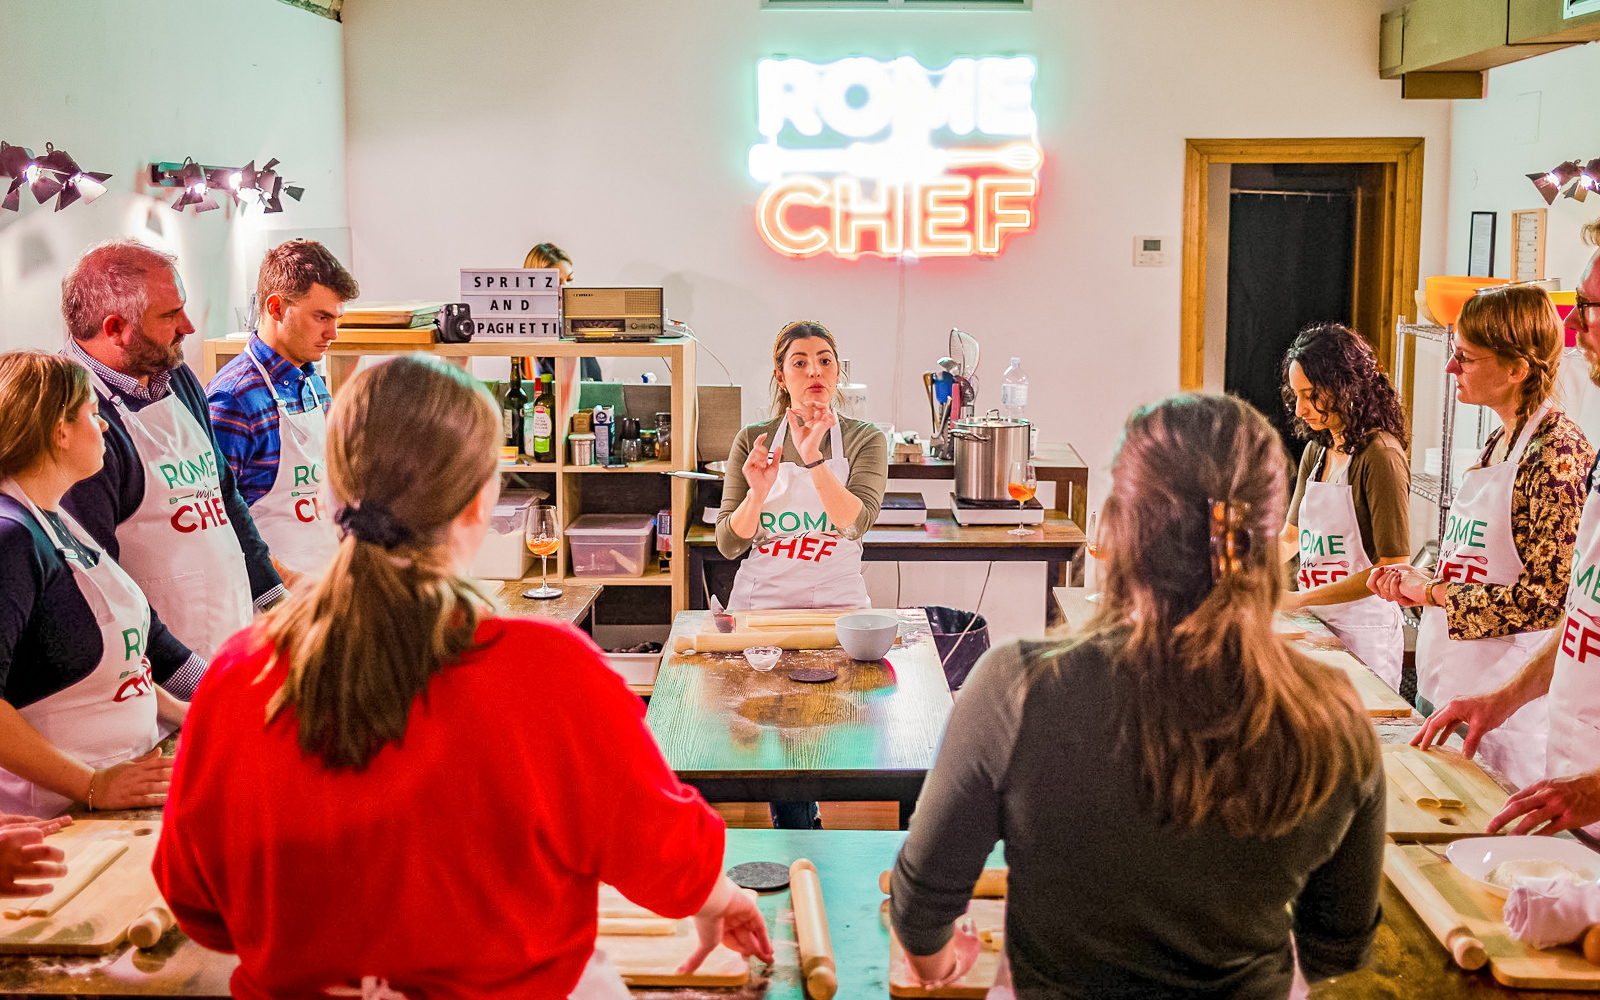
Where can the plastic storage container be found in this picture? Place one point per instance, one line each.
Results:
(503, 555)
(612, 544)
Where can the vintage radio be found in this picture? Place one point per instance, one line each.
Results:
(611, 313)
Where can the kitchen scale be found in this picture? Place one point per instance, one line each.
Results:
(996, 511)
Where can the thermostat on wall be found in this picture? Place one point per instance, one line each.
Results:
(1149, 251)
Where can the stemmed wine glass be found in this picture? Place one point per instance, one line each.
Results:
(543, 538)
(1097, 553)
(1022, 484)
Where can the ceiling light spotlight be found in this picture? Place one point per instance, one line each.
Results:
(14, 163)
(1551, 182)
(263, 186)
(76, 183)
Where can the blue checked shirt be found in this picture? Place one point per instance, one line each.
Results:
(244, 414)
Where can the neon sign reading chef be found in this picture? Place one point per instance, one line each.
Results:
(894, 159)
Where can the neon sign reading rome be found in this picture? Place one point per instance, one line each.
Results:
(862, 156)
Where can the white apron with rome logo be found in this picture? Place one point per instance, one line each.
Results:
(291, 517)
(1331, 549)
(797, 561)
(1479, 548)
(1575, 685)
(179, 545)
(109, 716)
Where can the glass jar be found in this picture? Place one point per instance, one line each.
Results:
(647, 445)
(664, 437)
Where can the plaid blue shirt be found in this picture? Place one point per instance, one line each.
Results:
(244, 413)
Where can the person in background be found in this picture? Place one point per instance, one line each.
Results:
(1500, 584)
(1351, 503)
(269, 406)
(165, 505)
(550, 255)
(1568, 796)
(79, 647)
(1185, 799)
(334, 728)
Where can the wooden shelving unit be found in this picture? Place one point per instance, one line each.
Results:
(568, 495)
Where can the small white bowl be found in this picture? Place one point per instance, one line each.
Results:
(1476, 857)
(867, 635)
(763, 658)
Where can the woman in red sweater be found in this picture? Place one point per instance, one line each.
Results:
(381, 782)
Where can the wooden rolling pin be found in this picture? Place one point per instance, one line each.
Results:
(811, 931)
(1440, 919)
(735, 642)
(148, 928)
(991, 883)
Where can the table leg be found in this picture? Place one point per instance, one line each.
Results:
(696, 581)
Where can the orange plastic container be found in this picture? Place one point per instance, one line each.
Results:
(1446, 294)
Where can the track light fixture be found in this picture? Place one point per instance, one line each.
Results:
(1581, 178)
(53, 175)
(262, 187)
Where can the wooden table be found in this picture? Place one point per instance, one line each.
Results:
(575, 605)
(739, 735)
(1054, 543)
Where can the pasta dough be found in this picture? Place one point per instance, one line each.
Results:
(82, 868)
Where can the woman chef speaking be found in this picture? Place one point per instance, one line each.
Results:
(804, 487)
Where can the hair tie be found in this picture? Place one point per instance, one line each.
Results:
(1230, 539)
(371, 522)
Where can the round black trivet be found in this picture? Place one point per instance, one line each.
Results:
(813, 675)
(762, 876)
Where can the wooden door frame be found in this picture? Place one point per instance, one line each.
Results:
(1401, 247)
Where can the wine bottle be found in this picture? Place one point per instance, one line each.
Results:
(516, 399)
(544, 420)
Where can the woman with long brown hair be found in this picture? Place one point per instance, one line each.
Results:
(1183, 797)
(1500, 585)
(383, 758)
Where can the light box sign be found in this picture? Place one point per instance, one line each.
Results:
(863, 156)
(1576, 8)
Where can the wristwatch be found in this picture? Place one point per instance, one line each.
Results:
(1427, 594)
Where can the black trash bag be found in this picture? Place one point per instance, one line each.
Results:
(961, 637)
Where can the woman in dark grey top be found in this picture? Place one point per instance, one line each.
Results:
(1183, 798)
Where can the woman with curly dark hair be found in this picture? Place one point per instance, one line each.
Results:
(1349, 512)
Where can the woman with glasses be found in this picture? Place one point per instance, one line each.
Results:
(1500, 584)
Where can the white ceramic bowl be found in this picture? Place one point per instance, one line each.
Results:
(762, 658)
(867, 635)
(1476, 857)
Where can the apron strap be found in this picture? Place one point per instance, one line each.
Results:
(1515, 457)
(10, 488)
(282, 406)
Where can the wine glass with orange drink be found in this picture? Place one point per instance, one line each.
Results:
(1022, 483)
(543, 538)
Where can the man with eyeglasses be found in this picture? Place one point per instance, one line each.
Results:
(1567, 667)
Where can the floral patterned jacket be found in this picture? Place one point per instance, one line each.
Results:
(1546, 504)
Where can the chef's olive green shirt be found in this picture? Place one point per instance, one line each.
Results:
(1380, 486)
(865, 447)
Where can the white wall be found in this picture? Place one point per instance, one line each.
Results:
(619, 129)
(121, 83)
(1539, 112)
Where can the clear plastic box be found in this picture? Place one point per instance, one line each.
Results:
(612, 544)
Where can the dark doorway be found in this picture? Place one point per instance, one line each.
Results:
(1291, 262)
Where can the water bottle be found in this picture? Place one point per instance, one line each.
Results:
(1014, 391)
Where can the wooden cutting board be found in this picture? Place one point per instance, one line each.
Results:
(1511, 962)
(1480, 797)
(1380, 701)
(652, 959)
(96, 920)
(990, 915)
